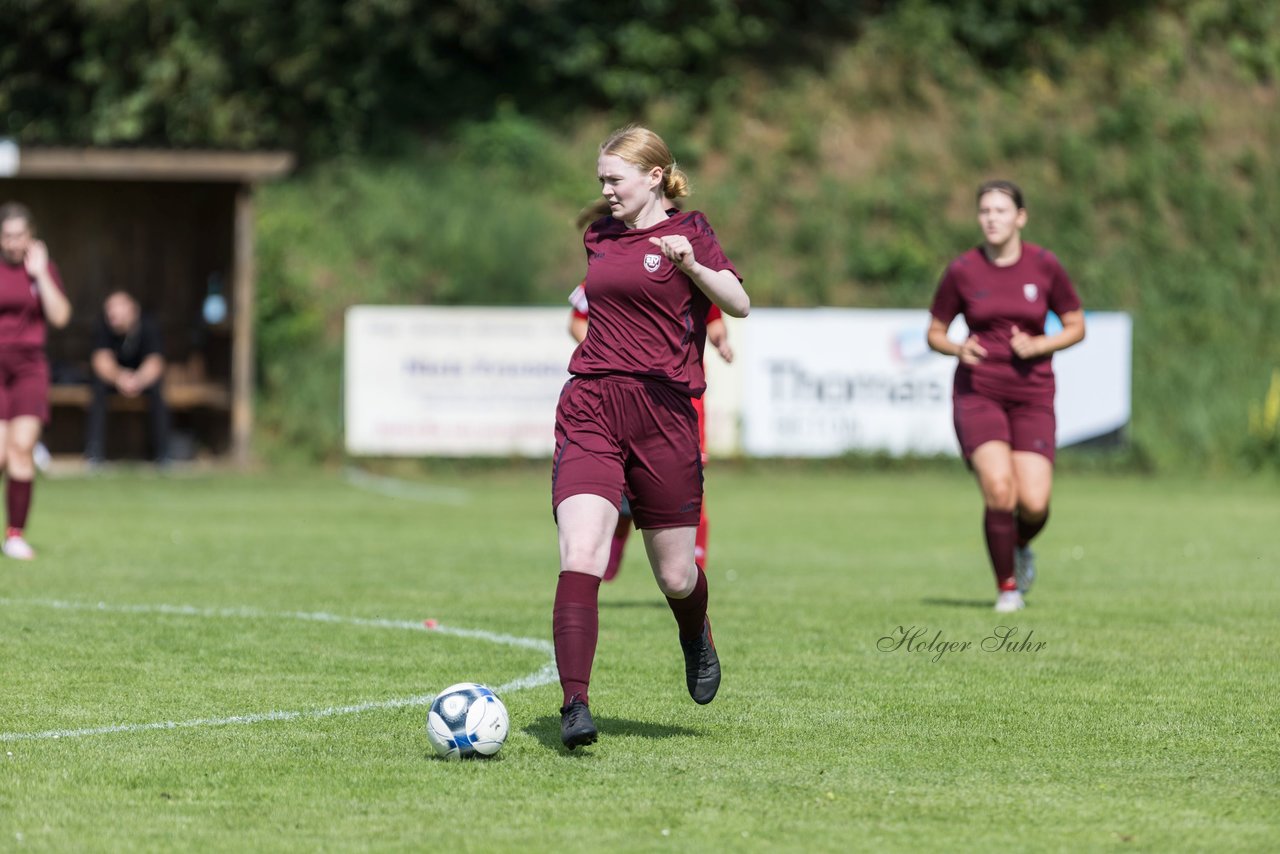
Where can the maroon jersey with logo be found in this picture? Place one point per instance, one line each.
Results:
(995, 299)
(648, 319)
(578, 299)
(21, 314)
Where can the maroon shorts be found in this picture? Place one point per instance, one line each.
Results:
(618, 434)
(1023, 418)
(24, 384)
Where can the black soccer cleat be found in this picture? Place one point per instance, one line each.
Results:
(701, 666)
(576, 727)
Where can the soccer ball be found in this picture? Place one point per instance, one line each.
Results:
(466, 720)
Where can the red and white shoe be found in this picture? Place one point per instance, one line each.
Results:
(17, 548)
(1009, 601)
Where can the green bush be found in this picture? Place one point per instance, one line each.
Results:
(453, 225)
(1149, 169)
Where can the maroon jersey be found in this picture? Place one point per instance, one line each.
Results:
(578, 299)
(648, 319)
(995, 299)
(21, 313)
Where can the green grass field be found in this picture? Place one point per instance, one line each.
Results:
(1146, 719)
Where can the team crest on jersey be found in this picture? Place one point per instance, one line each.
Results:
(1030, 291)
(651, 262)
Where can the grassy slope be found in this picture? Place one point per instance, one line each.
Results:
(1148, 158)
(1147, 718)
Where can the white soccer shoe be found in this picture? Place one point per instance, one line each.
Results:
(1024, 567)
(1009, 601)
(18, 549)
(41, 457)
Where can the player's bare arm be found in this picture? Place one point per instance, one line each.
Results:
(722, 286)
(57, 308)
(718, 337)
(1035, 346)
(969, 351)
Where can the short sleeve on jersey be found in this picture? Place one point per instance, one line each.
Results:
(1062, 296)
(946, 300)
(706, 246)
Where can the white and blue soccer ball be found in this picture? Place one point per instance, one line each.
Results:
(467, 719)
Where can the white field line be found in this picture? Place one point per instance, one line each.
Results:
(543, 676)
(396, 488)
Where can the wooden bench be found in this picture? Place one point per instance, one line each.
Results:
(179, 395)
(199, 407)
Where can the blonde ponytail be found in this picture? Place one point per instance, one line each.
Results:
(675, 184)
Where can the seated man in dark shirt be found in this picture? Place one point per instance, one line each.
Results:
(128, 359)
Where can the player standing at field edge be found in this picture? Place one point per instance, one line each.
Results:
(1004, 385)
(30, 297)
(718, 337)
(624, 422)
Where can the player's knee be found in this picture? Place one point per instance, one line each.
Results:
(1001, 495)
(584, 561)
(1033, 508)
(676, 581)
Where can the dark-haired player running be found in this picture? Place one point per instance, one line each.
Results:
(1004, 384)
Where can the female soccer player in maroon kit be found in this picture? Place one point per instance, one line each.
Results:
(717, 337)
(625, 423)
(30, 296)
(1004, 385)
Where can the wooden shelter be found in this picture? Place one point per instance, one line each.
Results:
(168, 227)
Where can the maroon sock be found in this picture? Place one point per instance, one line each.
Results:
(1001, 537)
(17, 499)
(575, 626)
(691, 611)
(1028, 528)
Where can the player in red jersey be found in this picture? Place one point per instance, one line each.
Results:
(1004, 385)
(31, 297)
(624, 423)
(718, 337)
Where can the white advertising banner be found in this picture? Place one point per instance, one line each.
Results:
(454, 381)
(822, 382)
(1094, 379)
(803, 382)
